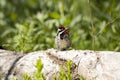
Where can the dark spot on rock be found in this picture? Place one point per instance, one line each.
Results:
(90, 63)
(14, 73)
(77, 79)
(91, 52)
(98, 59)
(85, 53)
(21, 64)
(73, 67)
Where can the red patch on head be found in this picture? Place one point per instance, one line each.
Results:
(66, 31)
(61, 27)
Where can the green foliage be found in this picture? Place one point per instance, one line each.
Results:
(0, 76)
(82, 78)
(27, 77)
(30, 25)
(38, 74)
(14, 78)
(69, 65)
(22, 41)
(64, 73)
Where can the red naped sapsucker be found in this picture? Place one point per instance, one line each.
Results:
(62, 39)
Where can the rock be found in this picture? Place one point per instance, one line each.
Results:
(92, 65)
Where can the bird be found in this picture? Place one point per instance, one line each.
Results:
(62, 40)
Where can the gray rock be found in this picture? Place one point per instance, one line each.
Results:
(93, 65)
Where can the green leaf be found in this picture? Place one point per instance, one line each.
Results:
(54, 15)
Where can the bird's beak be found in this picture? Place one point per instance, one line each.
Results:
(67, 29)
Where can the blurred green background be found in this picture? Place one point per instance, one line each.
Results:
(30, 25)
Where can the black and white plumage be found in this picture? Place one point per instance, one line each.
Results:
(62, 39)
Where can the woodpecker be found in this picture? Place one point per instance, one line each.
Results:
(62, 39)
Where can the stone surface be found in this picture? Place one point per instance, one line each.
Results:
(93, 65)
